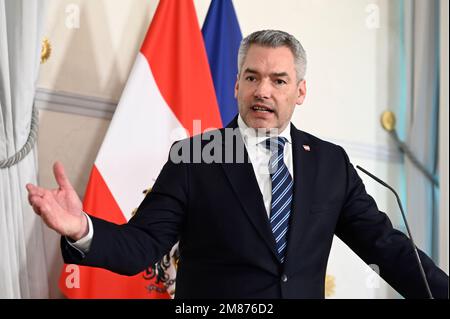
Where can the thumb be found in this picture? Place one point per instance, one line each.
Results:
(60, 176)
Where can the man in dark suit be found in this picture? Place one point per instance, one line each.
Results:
(255, 214)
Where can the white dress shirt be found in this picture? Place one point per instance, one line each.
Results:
(83, 244)
(259, 156)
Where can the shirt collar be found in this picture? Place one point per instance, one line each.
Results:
(253, 136)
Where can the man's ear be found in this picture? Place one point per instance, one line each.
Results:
(301, 92)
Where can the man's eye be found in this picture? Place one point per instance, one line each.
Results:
(250, 78)
(280, 82)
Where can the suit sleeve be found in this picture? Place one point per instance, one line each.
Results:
(370, 234)
(151, 233)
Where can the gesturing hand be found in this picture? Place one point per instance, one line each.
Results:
(60, 208)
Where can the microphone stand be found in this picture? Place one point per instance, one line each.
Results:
(422, 272)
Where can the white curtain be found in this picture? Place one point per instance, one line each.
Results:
(22, 252)
(421, 38)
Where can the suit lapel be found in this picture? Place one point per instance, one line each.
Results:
(305, 166)
(243, 181)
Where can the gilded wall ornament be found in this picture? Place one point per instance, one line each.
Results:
(46, 50)
(330, 285)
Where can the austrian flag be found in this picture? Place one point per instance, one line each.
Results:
(169, 87)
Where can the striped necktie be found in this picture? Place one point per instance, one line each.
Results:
(282, 184)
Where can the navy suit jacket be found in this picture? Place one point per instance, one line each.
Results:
(227, 249)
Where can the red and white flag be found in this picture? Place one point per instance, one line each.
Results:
(170, 86)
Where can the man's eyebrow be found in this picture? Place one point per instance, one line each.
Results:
(279, 74)
(275, 74)
(248, 70)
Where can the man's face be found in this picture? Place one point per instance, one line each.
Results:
(267, 88)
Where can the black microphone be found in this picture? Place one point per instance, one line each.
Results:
(422, 272)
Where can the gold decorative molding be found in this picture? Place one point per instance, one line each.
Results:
(330, 285)
(388, 121)
(46, 50)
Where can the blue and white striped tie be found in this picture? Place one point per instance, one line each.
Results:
(282, 185)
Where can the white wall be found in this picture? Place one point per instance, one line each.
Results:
(349, 76)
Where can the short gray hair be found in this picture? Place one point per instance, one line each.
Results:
(275, 39)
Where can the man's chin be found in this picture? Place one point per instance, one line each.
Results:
(264, 128)
(261, 124)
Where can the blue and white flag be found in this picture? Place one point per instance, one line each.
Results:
(222, 37)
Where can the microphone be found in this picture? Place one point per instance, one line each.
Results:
(422, 272)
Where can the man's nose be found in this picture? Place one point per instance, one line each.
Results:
(263, 89)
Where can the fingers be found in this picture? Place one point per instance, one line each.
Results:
(43, 207)
(60, 176)
(38, 203)
(34, 191)
(37, 194)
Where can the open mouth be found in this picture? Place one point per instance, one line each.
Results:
(262, 108)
